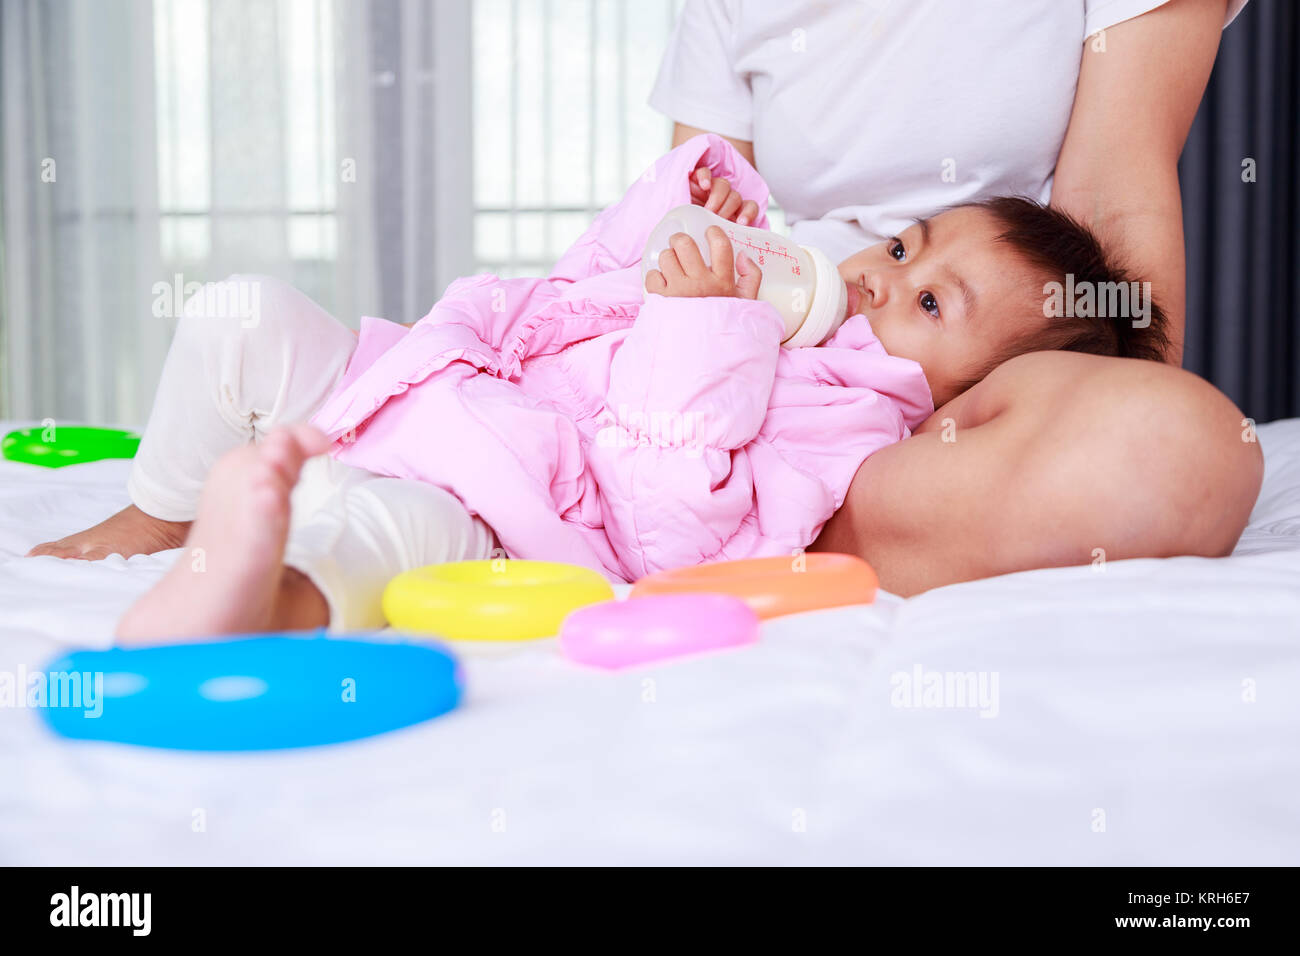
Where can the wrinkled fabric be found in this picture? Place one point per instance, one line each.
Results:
(588, 423)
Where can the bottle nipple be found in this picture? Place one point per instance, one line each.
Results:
(829, 307)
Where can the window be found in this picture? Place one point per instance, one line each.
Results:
(245, 119)
(561, 125)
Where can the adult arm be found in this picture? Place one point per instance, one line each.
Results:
(1140, 83)
(682, 132)
(1057, 458)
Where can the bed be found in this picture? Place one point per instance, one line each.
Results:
(1144, 712)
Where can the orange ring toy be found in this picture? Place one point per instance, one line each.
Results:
(774, 586)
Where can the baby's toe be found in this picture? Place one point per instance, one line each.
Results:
(280, 451)
(311, 440)
(97, 553)
(53, 549)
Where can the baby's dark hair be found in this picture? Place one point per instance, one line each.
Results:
(1065, 251)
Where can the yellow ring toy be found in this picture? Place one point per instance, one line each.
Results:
(496, 600)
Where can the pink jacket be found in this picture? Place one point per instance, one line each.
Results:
(588, 424)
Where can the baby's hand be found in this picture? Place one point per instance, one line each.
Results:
(682, 271)
(716, 195)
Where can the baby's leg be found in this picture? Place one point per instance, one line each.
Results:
(349, 533)
(249, 353)
(229, 578)
(354, 531)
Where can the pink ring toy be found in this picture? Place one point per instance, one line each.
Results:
(616, 634)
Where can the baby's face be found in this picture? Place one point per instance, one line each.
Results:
(945, 294)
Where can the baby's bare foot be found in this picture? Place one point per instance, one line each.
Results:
(128, 532)
(228, 579)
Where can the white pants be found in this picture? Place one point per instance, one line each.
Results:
(251, 353)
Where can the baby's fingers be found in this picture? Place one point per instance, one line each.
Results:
(655, 282)
(748, 213)
(701, 182)
(718, 194)
(720, 255)
(731, 206)
(750, 277)
(688, 254)
(669, 267)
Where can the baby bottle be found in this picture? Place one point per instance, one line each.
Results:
(800, 282)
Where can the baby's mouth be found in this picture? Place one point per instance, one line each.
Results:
(855, 299)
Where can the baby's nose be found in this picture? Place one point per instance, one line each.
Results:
(876, 287)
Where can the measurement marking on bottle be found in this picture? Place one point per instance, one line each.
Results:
(766, 249)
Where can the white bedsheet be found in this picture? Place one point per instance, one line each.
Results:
(1147, 713)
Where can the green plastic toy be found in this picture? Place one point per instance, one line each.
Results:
(68, 445)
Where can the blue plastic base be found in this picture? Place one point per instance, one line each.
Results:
(265, 692)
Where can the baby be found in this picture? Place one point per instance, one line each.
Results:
(573, 418)
(958, 293)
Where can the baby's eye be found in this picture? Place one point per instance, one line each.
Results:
(896, 250)
(929, 304)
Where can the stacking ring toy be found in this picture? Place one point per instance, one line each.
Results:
(640, 630)
(774, 586)
(261, 693)
(69, 445)
(496, 600)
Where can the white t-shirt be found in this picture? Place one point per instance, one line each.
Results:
(867, 114)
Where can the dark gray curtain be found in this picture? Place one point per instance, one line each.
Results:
(1243, 256)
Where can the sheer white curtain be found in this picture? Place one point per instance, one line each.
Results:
(149, 144)
(561, 125)
(79, 190)
(368, 151)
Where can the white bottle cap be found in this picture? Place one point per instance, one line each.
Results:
(829, 303)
